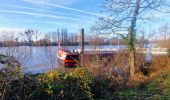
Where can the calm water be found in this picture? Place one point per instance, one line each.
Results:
(41, 59)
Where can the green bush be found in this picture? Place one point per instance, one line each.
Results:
(54, 85)
(59, 85)
(21, 89)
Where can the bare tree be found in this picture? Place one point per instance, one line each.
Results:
(65, 36)
(58, 35)
(10, 41)
(164, 31)
(8, 38)
(62, 36)
(123, 16)
(54, 37)
(37, 34)
(30, 34)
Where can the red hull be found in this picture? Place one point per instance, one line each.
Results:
(67, 59)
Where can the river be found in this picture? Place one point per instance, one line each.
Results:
(39, 59)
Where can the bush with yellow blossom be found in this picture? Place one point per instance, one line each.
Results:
(65, 85)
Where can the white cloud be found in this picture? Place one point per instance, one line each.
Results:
(60, 2)
(42, 2)
(65, 2)
(43, 10)
(36, 21)
(43, 15)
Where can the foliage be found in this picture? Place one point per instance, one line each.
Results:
(52, 85)
(59, 85)
(105, 87)
(79, 84)
(21, 89)
(7, 75)
(122, 17)
(158, 88)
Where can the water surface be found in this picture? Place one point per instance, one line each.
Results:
(39, 59)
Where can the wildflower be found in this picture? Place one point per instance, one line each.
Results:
(51, 74)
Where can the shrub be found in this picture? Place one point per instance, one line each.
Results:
(61, 85)
(107, 87)
(7, 75)
(50, 86)
(100, 87)
(21, 89)
(78, 84)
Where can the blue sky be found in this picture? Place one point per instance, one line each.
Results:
(48, 15)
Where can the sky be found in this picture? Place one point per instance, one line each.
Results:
(48, 15)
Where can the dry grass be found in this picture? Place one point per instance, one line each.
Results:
(160, 64)
(117, 65)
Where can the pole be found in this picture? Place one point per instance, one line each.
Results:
(82, 46)
(82, 41)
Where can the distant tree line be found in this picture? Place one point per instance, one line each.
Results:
(33, 37)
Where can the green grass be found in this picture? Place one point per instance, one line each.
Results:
(157, 89)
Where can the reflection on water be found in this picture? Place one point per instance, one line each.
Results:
(40, 59)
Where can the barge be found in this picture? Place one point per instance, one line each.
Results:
(67, 58)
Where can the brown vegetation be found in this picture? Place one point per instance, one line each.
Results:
(159, 65)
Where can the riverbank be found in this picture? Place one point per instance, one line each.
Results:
(81, 84)
(8, 61)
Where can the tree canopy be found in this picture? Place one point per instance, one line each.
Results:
(120, 13)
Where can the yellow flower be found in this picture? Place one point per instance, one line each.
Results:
(51, 74)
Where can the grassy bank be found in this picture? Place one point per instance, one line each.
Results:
(157, 89)
(79, 84)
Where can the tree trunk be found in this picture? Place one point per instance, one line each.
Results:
(132, 34)
(132, 62)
